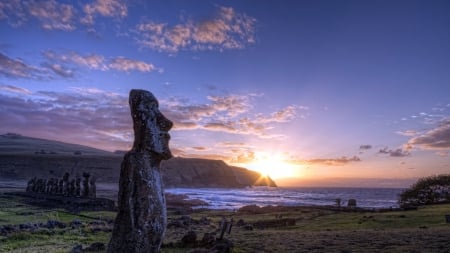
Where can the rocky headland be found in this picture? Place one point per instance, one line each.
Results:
(22, 158)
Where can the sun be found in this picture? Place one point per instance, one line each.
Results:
(275, 165)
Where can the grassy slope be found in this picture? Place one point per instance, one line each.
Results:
(316, 230)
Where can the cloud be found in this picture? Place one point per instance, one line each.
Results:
(60, 70)
(394, 153)
(334, 161)
(14, 89)
(98, 62)
(226, 30)
(105, 8)
(125, 64)
(99, 118)
(16, 68)
(365, 147)
(407, 132)
(90, 116)
(226, 114)
(50, 14)
(53, 15)
(14, 12)
(436, 138)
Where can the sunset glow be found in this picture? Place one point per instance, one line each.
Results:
(274, 165)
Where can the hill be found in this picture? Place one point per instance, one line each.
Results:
(22, 158)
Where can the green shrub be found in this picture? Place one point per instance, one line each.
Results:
(426, 191)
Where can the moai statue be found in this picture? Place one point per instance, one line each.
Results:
(66, 184)
(85, 192)
(92, 187)
(142, 217)
(35, 185)
(71, 192)
(43, 185)
(31, 184)
(61, 186)
(55, 186)
(78, 187)
(48, 185)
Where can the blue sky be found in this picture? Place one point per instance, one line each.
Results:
(299, 89)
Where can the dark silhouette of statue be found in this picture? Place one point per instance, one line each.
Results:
(78, 186)
(66, 184)
(141, 220)
(92, 187)
(30, 184)
(85, 192)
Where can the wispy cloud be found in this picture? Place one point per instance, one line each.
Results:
(394, 152)
(92, 115)
(228, 29)
(16, 68)
(334, 161)
(230, 114)
(365, 147)
(98, 62)
(105, 8)
(436, 138)
(125, 64)
(60, 70)
(14, 89)
(53, 15)
(50, 14)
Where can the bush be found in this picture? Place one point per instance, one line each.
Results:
(426, 191)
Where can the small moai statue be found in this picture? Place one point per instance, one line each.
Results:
(30, 184)
(55, 186)
(35, 185)
(78, 187)
(61, 186)
(48, 185)
(43, 185)
(85, 192)
(66, 183)
(92, 187)
(72, 188)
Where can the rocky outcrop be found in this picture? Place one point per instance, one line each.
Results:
(194, 172)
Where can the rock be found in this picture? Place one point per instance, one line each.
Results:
(76, 223)
(142, 217)
(351, 203)
(248, 227)
(54, 223)
(96, 246)
(223, 246)
(189, 238)
(77, 249)
(208, 239)
(240, 223)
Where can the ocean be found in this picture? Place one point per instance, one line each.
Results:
(219, 198)
(223, 198)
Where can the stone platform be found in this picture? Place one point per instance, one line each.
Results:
(72, 204)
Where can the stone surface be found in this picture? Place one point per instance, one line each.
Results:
(141, 219)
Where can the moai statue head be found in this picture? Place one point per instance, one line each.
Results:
(150, 125)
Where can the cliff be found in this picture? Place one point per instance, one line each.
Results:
(22, 158)
(193, 172)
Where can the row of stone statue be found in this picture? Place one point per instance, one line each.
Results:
(65, 186)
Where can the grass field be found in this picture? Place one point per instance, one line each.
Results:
(315, 230)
